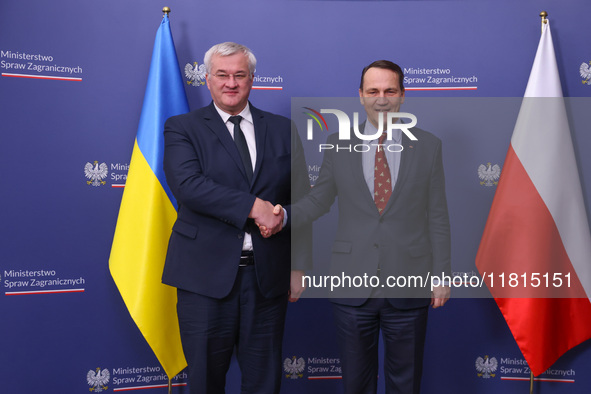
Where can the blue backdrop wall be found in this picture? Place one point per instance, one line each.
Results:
(71, 90)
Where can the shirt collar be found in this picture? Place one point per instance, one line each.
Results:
(371, 129)
(245, 113)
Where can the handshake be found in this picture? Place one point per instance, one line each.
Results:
(267, 217)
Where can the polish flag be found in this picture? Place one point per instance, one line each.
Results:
(536, 242)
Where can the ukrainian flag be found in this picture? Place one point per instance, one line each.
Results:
(148, 211)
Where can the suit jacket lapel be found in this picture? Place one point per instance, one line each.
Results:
(216, 124)
(406, 163)
(357, 168)
(260, 134)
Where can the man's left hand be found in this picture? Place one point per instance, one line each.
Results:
(439, 296)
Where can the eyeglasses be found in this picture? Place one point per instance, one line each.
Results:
(238, 77)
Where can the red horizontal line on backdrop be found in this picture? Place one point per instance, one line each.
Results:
(158, 386)
(118, 185)
(41, 77)
(267, 87)
(323, 377)
(539, 379)
(446, 88)
(10, 293)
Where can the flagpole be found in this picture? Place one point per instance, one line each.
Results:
(543, 15)
(166, 11)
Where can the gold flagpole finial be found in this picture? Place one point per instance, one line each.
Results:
(166, 10)
(543, 15)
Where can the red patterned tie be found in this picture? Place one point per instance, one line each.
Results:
(382, 184)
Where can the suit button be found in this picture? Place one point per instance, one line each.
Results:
(376, 246)
(240, 236)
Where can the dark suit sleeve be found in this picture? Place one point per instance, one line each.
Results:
(321, 196)
(301, 237)
(191, 187)
(439, 229)
(300, 181)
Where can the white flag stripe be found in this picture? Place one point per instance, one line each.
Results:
(544, 79)
(542, 123)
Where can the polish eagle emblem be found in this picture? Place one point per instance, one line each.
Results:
(195, 74)
(486, 367)
(489, 174)
(96, 173)
(585, 72)
(98, 380)
(294, 367)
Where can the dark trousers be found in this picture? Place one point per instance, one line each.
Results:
(211, 329)
(403, 332)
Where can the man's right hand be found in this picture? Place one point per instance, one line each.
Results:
(268, 218)
(277, 210)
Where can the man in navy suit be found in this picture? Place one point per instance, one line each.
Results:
(228, 165)
(393, 222)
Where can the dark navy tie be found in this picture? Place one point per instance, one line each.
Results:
(242, 146)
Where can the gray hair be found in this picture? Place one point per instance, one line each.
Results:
(228, 49)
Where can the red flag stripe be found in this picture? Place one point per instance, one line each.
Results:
(521, 237)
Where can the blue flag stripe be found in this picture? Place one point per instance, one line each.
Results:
(164, 80)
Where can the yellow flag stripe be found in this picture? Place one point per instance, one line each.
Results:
(137, 259)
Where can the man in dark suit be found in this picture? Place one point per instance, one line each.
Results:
(393, 222)
(227, 165)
